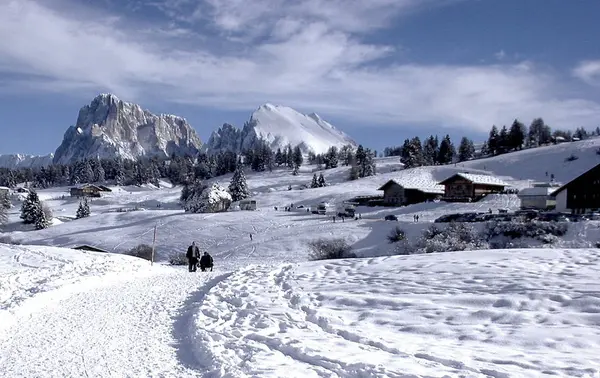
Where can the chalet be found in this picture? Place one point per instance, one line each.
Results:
(395, 194)
(580, 195)
(467, 187)
(104, 188)
(247, 204)
(86, 190)
(538, 197)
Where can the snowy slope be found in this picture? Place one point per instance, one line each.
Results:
(15, 161)
(532, 164)
(109, 127)
(279, 126)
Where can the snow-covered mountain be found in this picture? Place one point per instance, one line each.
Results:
(109, 127)
(16, 161)
(279, 125)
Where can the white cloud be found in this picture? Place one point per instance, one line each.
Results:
(308, 59)
(500, 55)
(588, 71)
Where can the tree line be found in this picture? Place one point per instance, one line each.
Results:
(432, 151)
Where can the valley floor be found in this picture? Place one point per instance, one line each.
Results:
(515, 313)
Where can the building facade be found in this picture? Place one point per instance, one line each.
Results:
(581, 195)
(465, 187)
(538, 197)
(395, 194)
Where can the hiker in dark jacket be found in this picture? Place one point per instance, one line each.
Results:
(206, 261)
(192, 255)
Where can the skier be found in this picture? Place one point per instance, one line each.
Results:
(206, 261)
(250, 236)
(192, 255)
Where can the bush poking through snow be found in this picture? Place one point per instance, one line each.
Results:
(143, 251)
(7, 239)
(330, 249)
(503, 233)
(455, 237)
(396, 234)
(572, 157)
(178, 258)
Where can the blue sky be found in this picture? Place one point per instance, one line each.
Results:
(381, 70)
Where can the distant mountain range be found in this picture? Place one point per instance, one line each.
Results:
(109, 127)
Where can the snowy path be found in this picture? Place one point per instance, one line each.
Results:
(132, 328)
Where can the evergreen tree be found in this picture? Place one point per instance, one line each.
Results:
(447, 151)
(466, 150)
(99, 173)
(3, 215)
(83, 210)
(430, 150)
(539, 133)
(503, 140)
(279, 159)
(412, 153)
(516, 135)
(321, 181)
(5, 201)
(238, 188)
(493, 140)
(297, 157)
(30, 206)
(331, 157)
(314, 183)
(289, 156)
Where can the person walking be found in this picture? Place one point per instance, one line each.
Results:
(193, 252)
(250, 236)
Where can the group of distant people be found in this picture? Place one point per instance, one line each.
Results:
(194, 259)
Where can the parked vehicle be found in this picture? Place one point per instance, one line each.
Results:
(391, 217)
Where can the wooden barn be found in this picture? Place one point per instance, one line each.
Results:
(395, 194)
(87, 190)
(467, 187)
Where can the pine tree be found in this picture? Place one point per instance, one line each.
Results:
(503, 140)
(30, 206)
(279, 159)
(99, 173)
(3, 215)
(331, 157)
(430, 150)
(5, 201)
(321, 181)
(238, 188)
(412, 153)
(516, 135)
(314, 183)
(447, 151)
(493, 140)
(83, 210)
(297, 157)
(43, 216)
(466, 150)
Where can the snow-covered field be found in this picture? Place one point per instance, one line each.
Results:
(267, 312)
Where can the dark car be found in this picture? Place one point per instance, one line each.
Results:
(391, 217)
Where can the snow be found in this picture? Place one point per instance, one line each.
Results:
(266, 311)
(281, 125)
(481, 179)
(15, 161)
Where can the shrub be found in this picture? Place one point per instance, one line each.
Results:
(546, 232)
(329, 249)
(178, 259)
(396, 235)
(455, 237)
(7, 239)
(572, 157)
(143, 251)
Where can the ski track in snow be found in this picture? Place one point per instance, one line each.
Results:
(127, 328)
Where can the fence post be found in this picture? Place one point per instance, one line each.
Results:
(153, 247)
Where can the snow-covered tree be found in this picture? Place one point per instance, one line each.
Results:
(331, 157)
(321, 181)
(314, 183)
(211, 200)
(5, 201)
(297, 157)
(3, 214)
(31, 207)
(412, 153)
(238, 186)
(84, 209)
(447, 151)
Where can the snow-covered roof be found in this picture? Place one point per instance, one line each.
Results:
(478, 179)
(435, 189)
(536, 191)
(4, 188)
